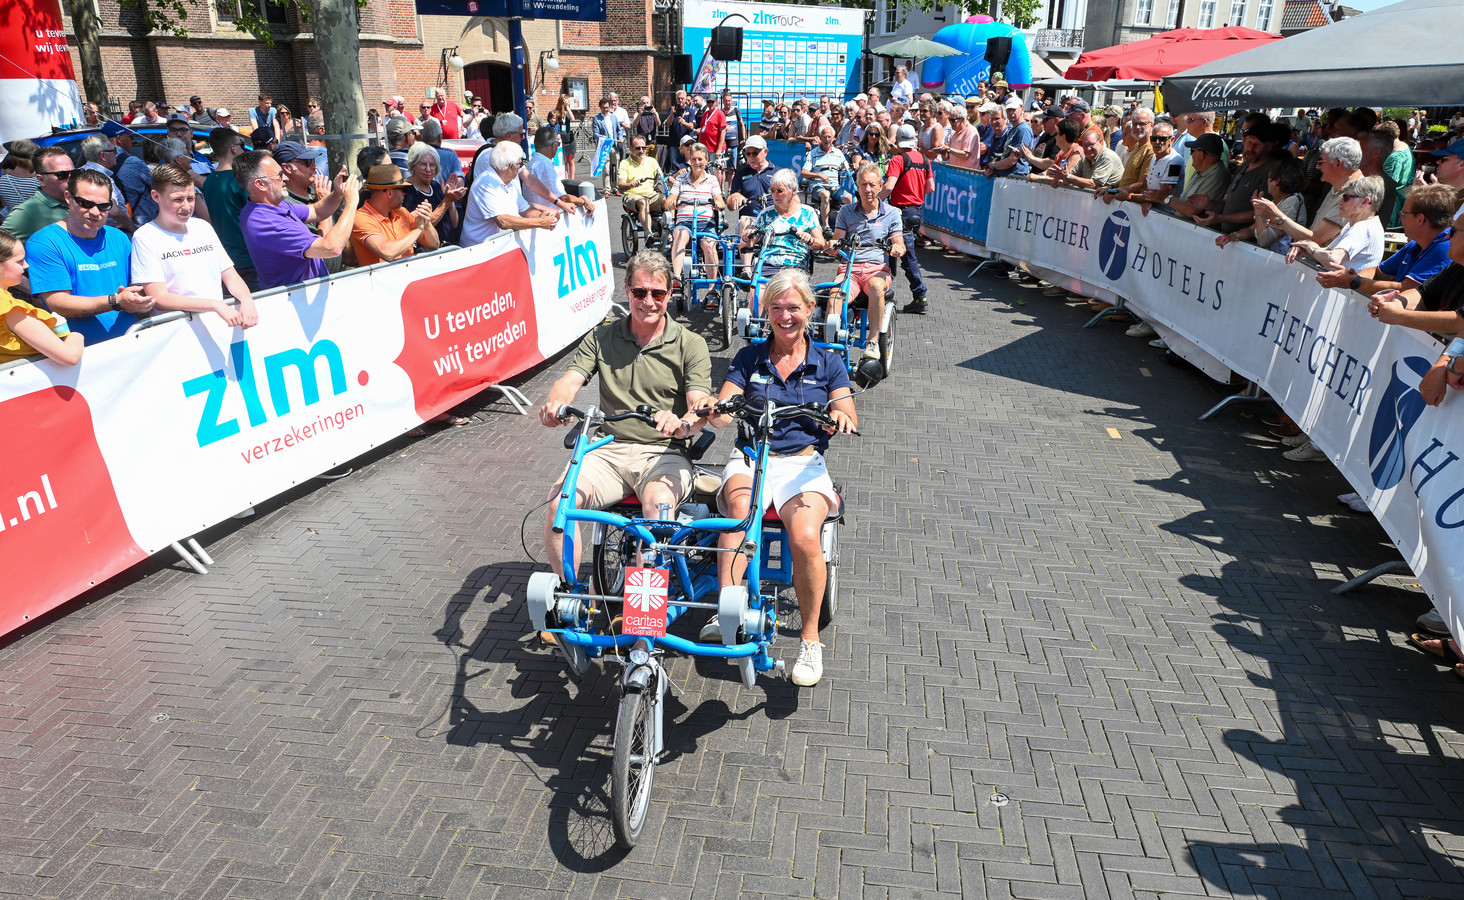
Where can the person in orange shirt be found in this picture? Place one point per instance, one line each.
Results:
(25, 329)
(383, 229)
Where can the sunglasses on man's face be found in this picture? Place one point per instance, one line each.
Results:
(656, 294)
(105, 206)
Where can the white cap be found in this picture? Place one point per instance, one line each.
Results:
(754, 143)
(905, 137)
(220, 112)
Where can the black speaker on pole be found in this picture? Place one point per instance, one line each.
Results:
(998, 51)
(727, 42)
(681, 69)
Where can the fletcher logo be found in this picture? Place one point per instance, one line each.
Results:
(1391, 455)
(214, 386)
(1113, 244)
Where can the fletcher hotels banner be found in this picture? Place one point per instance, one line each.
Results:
(162, 433)
(1350, 382)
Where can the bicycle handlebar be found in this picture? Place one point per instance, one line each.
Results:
(742, 408)
(642, 413)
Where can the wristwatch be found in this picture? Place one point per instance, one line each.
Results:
(1356, 282)
(112, 302)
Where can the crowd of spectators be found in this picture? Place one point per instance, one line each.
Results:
(139, 223)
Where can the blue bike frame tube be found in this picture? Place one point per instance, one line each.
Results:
(680, 644)
(582, 448)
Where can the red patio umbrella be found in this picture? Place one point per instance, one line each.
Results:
(1166, 54)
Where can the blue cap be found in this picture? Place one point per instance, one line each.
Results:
(112, 129)
(1454, 149)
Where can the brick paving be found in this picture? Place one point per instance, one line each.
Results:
(1066, 664)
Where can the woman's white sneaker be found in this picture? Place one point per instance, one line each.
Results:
(809, 668)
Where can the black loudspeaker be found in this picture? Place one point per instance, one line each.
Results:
(727, 42)
(681, 69)
(998, 51)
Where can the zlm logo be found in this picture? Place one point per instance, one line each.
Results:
(215, 386)
(578, 265)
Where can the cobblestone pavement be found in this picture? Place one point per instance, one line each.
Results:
(1086, 647)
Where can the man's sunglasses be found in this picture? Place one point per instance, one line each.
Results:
(656, 294)
(105, 206)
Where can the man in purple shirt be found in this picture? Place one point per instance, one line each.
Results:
(283, 249)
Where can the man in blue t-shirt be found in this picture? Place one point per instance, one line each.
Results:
(80, 267)
(1427, 213)
(1006, 157)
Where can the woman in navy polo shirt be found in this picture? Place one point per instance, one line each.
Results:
(788, 369)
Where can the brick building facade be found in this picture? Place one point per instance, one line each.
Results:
(402, 53)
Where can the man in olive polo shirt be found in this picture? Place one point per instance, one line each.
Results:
(48, 204)
(645, 358)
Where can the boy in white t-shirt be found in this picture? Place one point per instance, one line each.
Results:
(179, 260)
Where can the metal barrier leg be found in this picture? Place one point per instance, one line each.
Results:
(188, 558)
(1251, 394)
(983, 264)
(1116, 309)
(514, 396)
(1396, 567)
(199, 552)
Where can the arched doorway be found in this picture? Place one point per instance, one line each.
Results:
(492, 83)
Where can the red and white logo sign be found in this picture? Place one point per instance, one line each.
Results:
(646, 591)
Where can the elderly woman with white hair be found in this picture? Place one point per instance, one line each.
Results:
(1359, 245)
(790, 230)
(496, 204)
(1339, 166)
(423, 166)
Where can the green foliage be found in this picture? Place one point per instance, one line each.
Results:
(171, 16)
(1021, 13)
(1397, 112)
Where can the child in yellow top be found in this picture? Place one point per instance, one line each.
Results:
(24, 329)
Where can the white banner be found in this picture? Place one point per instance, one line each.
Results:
(1350, 382)
(162, 433)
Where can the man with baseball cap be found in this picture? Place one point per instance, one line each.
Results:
(401, 134)
(1205, 189)
(907, 182)
(199, 114)
(262, 138)
(303, 181)
(1449, 169)
(1079, 111)
(383, 230)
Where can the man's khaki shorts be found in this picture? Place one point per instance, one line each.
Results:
(658, 200)
(616, 471)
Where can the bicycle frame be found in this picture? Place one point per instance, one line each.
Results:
(667, 540)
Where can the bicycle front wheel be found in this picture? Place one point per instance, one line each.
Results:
(634, 765)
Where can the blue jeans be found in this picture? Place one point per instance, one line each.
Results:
(911, 218)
